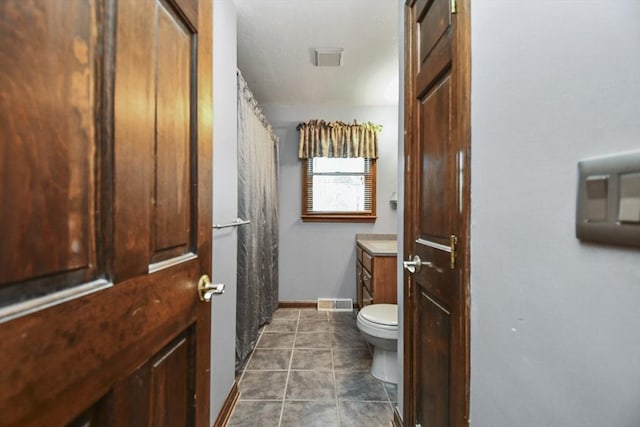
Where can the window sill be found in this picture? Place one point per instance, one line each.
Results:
(338, 218)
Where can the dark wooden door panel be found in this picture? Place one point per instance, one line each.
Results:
(435, 47)
(48, 145)
(171, 385)
(436, 22)
(96, 416)
(438, 279)
(129, 400)
(134, 121)
(172, 201)
(434, 337)
(438, 197)
(158, 393)
(93, 339)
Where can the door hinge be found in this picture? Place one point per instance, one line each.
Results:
(454, 7)
(453, 241)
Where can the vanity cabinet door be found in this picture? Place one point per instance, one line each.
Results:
(367, 299)
(367, 281)
(367, 261)
(359, 283)
(375, 278)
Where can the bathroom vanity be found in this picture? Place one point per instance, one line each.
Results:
(376, 281)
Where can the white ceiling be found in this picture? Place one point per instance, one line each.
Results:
(275, 50)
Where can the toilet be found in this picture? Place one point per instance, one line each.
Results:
(379, 325)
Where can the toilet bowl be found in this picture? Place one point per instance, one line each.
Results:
(378, 323)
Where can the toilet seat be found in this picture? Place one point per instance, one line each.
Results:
(379, 320)
(384, 315)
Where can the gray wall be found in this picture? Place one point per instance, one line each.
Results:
(318, 259)
(555, 334)
(225, 202)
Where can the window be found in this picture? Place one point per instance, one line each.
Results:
(339, 189)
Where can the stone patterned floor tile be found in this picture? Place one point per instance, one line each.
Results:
(317, 359)
(252, 413)
(370, 414)
(311, 314)
(359, 385)
(270, 359)
(281, 325)
(392, 392)
(286, 313)
(310, 414)
(314, 340)
(314, 326)
(310, 385)
(276, 340)
(352, 360)
(345, 328)
(343, 339)
(262, 385)
(342, 317)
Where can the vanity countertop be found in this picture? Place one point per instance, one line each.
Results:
(378, 245)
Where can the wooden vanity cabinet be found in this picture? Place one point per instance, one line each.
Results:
(375, 277)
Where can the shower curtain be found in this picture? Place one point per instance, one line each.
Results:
(257, 296)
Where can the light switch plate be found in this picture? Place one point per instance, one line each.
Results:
(608, 201)
(596, 203)
(629, 207)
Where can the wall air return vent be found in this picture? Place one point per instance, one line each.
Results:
(335, 304)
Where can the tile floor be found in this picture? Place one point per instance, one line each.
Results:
(311, 368)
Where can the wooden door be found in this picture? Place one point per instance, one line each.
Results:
(105, 212)
(437, 150)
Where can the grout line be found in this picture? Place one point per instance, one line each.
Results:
(387, 393)
(335, 382)
(286, 384)
(246, 366)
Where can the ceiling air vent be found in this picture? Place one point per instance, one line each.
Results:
(329, 57)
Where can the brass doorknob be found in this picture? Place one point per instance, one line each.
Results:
(206, 289)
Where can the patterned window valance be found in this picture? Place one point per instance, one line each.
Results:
(338, 139)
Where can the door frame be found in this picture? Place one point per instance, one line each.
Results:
(462, 135)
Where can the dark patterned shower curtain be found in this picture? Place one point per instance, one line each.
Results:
(257, 295)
